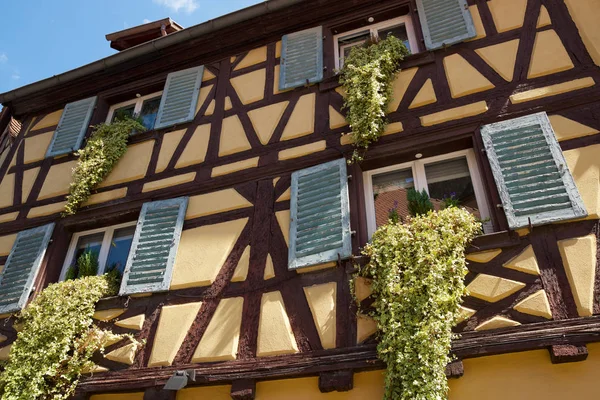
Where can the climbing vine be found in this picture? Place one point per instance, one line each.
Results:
(367, 77)
(101, 153)
(57, 340)
(417, 271)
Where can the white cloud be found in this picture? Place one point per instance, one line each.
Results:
(146, 20)
(15, 76)
(3, 58)
(186, 5)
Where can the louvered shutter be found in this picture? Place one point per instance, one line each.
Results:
(154, 247)
(180, 96)
(531, 173)
(320, 215)
(445, 22)
(72, 127)
(22, 266)
(301, 58)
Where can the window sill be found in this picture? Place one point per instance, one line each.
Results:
(414, 60)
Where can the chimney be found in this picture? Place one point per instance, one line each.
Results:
(131, 37)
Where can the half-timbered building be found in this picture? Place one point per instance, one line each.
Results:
(237, 222)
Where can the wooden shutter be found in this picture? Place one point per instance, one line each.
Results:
(179, 98)
(320, 215)
(445, 22)
(154, 247)
(530, 171)
(22, 266)
(72, 127)
(301, 58)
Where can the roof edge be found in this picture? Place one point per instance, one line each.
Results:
(153, 46)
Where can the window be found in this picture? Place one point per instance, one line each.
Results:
(448, 177)
(400, 27)
(108, 246)
(145, 107)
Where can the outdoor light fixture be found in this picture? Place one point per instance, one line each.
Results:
(418, 155)
(179, 380)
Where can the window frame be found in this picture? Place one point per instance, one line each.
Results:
(405, 20)
(104, 248)
(420, 183)
(138, 102)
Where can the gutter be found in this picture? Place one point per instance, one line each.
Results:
(152, 47)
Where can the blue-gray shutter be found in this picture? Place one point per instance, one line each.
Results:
(22, 266)
(179, 98)
(320, 215)
(72, 127)
(150, 263)
(301, 58)
(531, 172)
(445, 22)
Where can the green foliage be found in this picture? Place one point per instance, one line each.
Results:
(418, 202)
(450, 201)
(393, 216)
(101, 153)
(367, 78)
(57, 341)
(87, 265)
(418, 271)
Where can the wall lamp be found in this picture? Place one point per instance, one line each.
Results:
(180, 379)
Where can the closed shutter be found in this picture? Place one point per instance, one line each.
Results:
(320, 215)
(72, 127)
(531, 173)
(301, 58)
(154, 247)
(180, 96)
(22, 266)
(445, 22)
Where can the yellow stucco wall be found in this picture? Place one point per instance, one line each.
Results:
(585, 14)
(518, 376)
(585, 168)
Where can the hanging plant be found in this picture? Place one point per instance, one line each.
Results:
(57, 340)
(417, 271)
(367, 77)
(97, 159)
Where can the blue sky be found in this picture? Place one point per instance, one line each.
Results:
(41, 38)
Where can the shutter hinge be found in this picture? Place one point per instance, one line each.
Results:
(349, 177)
(353, 233)
(499, 206)
(483, 151)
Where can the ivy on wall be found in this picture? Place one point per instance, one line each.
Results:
(57, 340)
(97, 159)
(367, 77)
(417, 271)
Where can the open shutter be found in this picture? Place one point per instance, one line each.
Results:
(301, 58)
(530, 171)
(320, 215)
(154, 247)
(180, 96)
(445, 22)
(22, 266)
(72, 126)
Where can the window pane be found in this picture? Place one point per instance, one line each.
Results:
(389, 190)
(398, 31)
(450, 181)
(346, 43)
(149, 112)
(92, 243)
(119, 249)
(122, 112)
